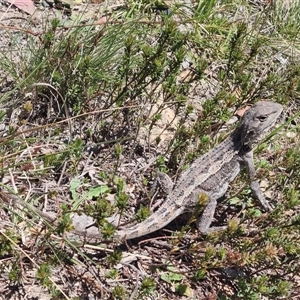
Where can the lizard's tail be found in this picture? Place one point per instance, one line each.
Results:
(159, 219)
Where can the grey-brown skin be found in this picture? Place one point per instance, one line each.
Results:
(211, 174)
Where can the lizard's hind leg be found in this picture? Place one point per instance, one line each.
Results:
(204, 221)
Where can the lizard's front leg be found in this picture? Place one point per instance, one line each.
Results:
(254, 185)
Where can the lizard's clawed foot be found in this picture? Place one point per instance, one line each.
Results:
(255, 188)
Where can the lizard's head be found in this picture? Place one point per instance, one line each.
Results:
(258, 119)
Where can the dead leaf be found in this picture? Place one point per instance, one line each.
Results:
(291, 135)
(101, 21)
(240, 112)
(24, 5)
(186, 76)
(97, 1)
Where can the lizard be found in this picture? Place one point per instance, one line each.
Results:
(212, 173)
(209, 175)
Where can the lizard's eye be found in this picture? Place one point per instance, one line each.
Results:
(262, 118)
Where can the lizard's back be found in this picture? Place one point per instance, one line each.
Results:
(210, 174)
